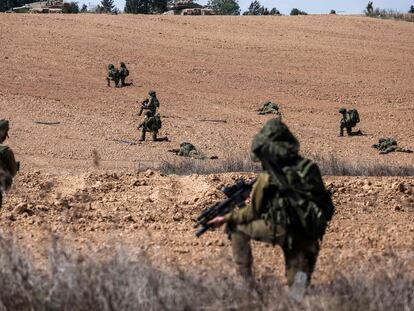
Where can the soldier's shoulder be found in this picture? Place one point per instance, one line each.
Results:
(4, 147)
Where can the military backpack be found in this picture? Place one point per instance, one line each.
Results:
(353, 116)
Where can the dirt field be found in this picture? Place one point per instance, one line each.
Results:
(216, 68)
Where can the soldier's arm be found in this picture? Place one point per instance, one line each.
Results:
(253, 210)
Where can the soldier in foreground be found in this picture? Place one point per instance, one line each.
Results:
(113, 75)
(123, 73)
(290, 207)
(349, 120)
(152, 124)
(151, 104)
(8, 165)
(387, 145)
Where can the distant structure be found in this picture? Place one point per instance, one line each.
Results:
(50, 6)
(188, 7)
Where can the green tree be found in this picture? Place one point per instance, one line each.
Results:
(225, 7)
(6, 5)
(411, 9)
(274, 11)
(254, 8)
(145, 6)
(297, 12)
(71, 8)
(84, 8)
(107, 6)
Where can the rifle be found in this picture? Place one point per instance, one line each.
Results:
(176, 151)
(143, 106)
(236, 195)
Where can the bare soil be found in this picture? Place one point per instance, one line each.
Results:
(215, 68)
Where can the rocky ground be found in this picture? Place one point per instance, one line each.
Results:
(203, 68)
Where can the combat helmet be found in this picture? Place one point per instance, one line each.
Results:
(276, 142)
(151, 93)
(111, 66)
(342, 110)
(4, 125)
(122, 64)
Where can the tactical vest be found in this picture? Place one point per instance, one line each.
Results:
(294, 206)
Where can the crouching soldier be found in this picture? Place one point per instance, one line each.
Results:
(8, 164)
(290, 207)
(349, 120)
(151, 104)
(113, 75)
(151, 124)
(123, 73)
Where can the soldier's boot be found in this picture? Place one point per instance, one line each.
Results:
(341, 131)
(142, 136)
(298, 288)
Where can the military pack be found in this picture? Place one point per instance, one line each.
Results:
(353, 117)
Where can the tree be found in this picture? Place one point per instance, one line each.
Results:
(274, 11)
(297, 12)
(369, 8)
(107, 6)
(6, 5)
(145, 6)
(411, 9)
(84, 8)
(71, 8)
(254, 8)
(225, 7)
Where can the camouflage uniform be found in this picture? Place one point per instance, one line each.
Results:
(151, 104)
(387, 145)
(151, 124)
(8, 164)
(269, 108)
(189, 150)
(113, 75)
(346, 124)
(123, 73)
(252, 222)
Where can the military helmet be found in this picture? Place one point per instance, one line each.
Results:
(4, 125)
(123, 65)
(275, 141)
(151, 93)
(342, 110)
(111, 66)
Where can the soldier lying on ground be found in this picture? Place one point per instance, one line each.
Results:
(387, 145)
(113, 75)
(189, 150)
(151, 124)
(269, 108)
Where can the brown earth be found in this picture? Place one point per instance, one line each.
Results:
(202, 68)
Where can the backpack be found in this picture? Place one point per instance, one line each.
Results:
(353, 117)
(301, 205)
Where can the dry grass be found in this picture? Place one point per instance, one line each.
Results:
(391, 14)
(124, 282)
(330, 165)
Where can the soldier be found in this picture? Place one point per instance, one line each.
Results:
(150, 104)
(8, 164)
(113, 75)
(349, 120)
(290, 207)
(151, 124)
(269, 108)
(123, 73)
(387, 145)
(189, 150)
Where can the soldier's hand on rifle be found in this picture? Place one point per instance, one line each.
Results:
(217, 221)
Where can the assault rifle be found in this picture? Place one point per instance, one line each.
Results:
(143, 103)
(236, 195)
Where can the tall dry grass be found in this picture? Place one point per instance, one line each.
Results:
(73, 281)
